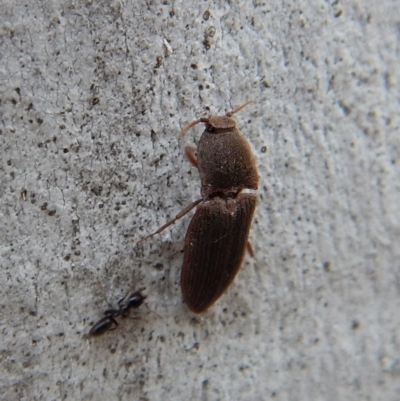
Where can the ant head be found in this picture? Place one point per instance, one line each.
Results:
(134, 300)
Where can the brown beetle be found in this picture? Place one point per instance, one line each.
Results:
(218, 233)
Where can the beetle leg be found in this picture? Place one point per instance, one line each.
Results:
(182, 213)
(190, 152)
(250, 249)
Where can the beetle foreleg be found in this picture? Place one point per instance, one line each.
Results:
(190, 152)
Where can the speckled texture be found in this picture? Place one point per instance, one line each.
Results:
(93, 94)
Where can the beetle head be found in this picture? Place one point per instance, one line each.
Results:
(216, 123)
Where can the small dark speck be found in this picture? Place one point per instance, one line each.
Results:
(101, 205)
(9, 162)
(65, 150)
(67, 257)
(159, 62)
(39, 120)
(44, 206)
(51, 212)
(264, 149)
(207, 44)
(159, 266)
(13, 101)
(172, 13)
(194, 66)
(338, 14)
(206, 15)
(97, 190)
(327, 266)
(113, 350)
(355, 325)
(33, 313)
(137, 134)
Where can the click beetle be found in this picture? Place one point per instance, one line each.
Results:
(217, 236)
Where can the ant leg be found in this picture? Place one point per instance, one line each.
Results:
(114, 321)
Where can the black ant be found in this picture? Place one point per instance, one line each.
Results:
(134, 300)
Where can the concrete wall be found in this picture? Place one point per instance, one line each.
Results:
(93, 94)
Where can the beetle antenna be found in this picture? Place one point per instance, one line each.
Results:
(238, 108)
(188, 127)
(192, 124)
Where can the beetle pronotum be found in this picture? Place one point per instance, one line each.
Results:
(217, 235)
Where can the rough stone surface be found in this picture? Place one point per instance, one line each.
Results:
(93, 94)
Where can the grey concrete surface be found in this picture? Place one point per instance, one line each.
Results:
(93, 94)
